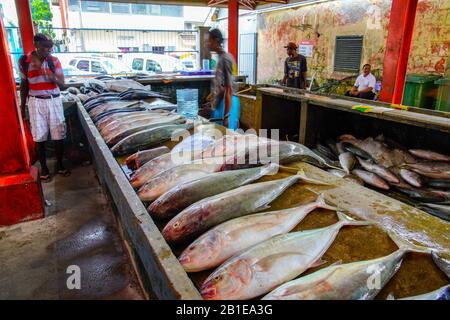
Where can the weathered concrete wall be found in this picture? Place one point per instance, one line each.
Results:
(368, 18)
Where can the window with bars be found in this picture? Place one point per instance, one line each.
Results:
(348, 50)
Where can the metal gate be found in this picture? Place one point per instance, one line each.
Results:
(247, 56)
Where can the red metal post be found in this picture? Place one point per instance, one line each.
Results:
(398, 45)
(26, 24)
(26, 34)
(63, 11)
(20, 190)
(233, 28)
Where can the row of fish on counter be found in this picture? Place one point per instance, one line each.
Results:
(254, 252)
(214, 205)
(422, 175)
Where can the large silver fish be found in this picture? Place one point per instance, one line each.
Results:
(148, 138)
(163, 182)
(347, 161)
(265, 266)
(183, 195)
(211, 211)
(236, 235)
(381, 171)
(371, 178)
(156, 166)
(436, 170)
(361, 280)
(127, 131)
(138, 159)
(442, 293)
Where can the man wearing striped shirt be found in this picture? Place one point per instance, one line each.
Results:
(41, 76)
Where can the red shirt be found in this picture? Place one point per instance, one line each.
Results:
(39, 83)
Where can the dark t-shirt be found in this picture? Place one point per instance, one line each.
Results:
(293, 69)
(223, 78)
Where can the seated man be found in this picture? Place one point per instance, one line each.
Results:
(364, 85)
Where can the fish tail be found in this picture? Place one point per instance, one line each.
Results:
(407, 246)
(348, 221)
(301, 174)
(390, 296)
(322, 203)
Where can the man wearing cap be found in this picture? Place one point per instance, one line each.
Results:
(294, 68)
(41, 76)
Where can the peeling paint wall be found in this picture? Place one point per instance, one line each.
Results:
(324, 21)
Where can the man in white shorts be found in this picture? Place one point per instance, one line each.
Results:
(41, 76)
(364, 85)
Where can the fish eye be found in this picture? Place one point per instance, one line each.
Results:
(176, 225)
(217, 278)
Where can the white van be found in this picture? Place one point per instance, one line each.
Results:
(151, 62)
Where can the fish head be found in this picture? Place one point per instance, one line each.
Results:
(206, 248)
(228, 282)
(178, 228)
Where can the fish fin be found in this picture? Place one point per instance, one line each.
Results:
(262, 208)
(265, 264)
(348, 221)
(302, 175)
(407, 246)
(322, 203)
(269, 169)
(319, 262)
(390, 296)
(289, 169)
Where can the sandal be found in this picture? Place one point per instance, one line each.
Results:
(45, 178)
(64, 172)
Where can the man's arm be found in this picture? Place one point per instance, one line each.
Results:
(24, 89)
(23, 96)
(228, 89)
(57, 76)
(283, 82)
(304, 70)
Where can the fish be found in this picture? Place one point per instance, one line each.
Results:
(231, 237)
(371, 179)
(209, 212)
(148, 138)
(121, 111)
(183, 195)
(116, 119)
(156, 166)
(326, 151)
(435, 212)
(442, 293)
(163, 182)
(442, 263)
(421, 195)
(121, 123)
(441, 207)
(332, 146)
(339, 147)
(265, 266)
(350, 281)
(347, 161)
(140, 158)
(440, 184)
(126, 132)
(337, 173)
(381, 171)
(429, 155)
(357, 151)
(435, 170)
(379, 152)
(411, 177)
(354, 179)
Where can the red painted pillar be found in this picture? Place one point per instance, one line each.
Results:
(20, 190)
(26, 24)
(233, 28)
(398, 45)
(26, 34)
(63, 11)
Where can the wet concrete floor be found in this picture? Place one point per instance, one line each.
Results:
(41, 259)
